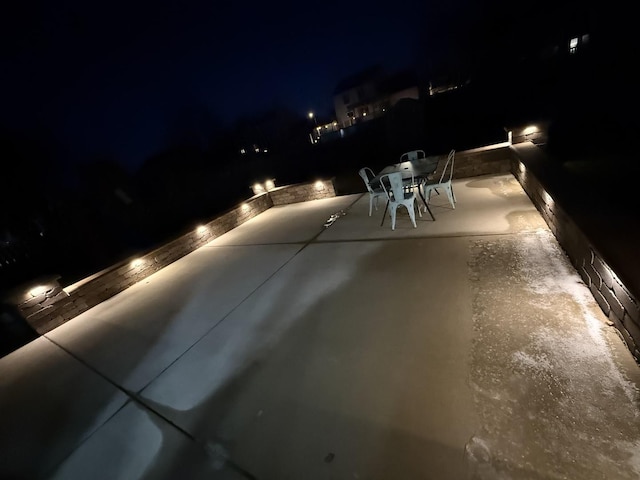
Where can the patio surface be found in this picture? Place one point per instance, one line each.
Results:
(465, 348)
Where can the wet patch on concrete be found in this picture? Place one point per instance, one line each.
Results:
(505, 186)
(525, 220)
(552, 398)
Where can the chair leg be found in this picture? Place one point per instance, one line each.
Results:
(370, 204)
(412, 213)
(450, 196)
(393, 216)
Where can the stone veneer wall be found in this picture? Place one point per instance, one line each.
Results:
(302, 192)
(53, 305)
(50, 305)
(615, 300)
(480, 161)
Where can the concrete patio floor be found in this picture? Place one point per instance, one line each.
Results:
(465, 348)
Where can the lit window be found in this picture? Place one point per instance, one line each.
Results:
(573, 45)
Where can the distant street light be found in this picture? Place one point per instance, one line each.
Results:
(312, 116)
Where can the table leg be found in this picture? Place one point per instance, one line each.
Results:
(385, 212)
(426, 204)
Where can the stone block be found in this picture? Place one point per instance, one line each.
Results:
(633, 328)
(629, 304)
(595, 278)
(611, 299)
(626, 337)
(604, 271)
(600, 299)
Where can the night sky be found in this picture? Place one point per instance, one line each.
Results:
(113, 78)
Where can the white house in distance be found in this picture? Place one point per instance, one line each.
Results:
(370, 93)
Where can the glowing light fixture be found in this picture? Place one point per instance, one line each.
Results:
(529, 130)
(270, 184)
(243, 151)
(138, 262)
(257, 188)
(310, 114)
(202, 229)
(319, 185)
(245, 207)
(38, 290)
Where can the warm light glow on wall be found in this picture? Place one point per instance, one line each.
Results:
(548, 200)
(257, 188)
(270, 184)
(529, 130)
(138, 262)
(319, 185)
(201, 229)
(39, 290)
(245, 207)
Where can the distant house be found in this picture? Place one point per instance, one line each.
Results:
(370, 93)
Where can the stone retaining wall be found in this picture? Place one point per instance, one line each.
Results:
(303, 192)
(49, 305)
(52, 305)
(615, 300)
(45, 305)
(481, 161)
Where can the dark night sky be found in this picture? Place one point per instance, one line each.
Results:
(111, 77)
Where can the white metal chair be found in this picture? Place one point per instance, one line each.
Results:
(443, 182)
(397, 195)
(374, 193)
(412, 155)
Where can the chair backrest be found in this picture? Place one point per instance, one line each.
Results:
(392, 186)
(366, 174)
(412, 155)
(447, 171)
